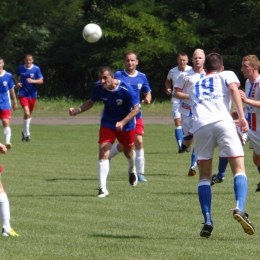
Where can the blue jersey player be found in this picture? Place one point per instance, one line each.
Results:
(6, 93)
(140, 84)
(121, 105)
(27, 77)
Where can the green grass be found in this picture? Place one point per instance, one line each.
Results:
(59, 107)
(52, 186)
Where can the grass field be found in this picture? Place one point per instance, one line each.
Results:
(60, 107)
(52, 186)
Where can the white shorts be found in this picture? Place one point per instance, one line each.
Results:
(175, 108)
(254, 144)
(222, 134)
(186, 124)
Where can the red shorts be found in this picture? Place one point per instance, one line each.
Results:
(5, 114)
(107, 135)
(28, 102)
(139, 126)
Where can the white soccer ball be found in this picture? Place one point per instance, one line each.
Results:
(92, 32)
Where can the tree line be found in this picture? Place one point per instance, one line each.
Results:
(51, 30)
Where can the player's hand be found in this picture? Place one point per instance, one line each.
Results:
(73, 111)
(19, 84)
(14, 105)
(243, 124)
(29, 80)
(3, 149)
(168, 91)
(119, 126)
(146, 101)
(243, 95)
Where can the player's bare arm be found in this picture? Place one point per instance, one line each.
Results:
(35, 81)
(168, 86)
(180, 95)
(250, 102)
(16, 80)
(13, 96)
(130, 116)
(148, 98)
(84, 107)
(235, 94)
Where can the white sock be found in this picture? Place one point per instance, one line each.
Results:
(131, 162)
(26, 124)
(113, 151)
(7, 134)
(139, 161)
(103, 170)
(5, 211)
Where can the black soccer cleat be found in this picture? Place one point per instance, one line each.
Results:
(242, 218)
(215, 179)
(206, 230)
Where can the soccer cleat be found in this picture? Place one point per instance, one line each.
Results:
(215, 179)
(242, 218)
(191, 172)
(25, 138)
(206, 230)
(257, 187)
(12, 233)
(187, 149)
(183, 148)
(8, 146)
(133, 179)
(141, 178)
(103, 192)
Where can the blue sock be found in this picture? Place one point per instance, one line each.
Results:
(240, 189)
(179, 135)
(258, 168)
(222, 166)
(193, 159)
(204, 191)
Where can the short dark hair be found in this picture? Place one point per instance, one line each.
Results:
(106, 68)
(182, 53)
(213, 62)
(131, 52)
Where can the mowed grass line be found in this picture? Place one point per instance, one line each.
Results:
(52, 187)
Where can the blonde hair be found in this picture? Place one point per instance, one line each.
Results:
(254, 61)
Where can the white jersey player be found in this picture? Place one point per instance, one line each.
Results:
(170, 81)
(251, 97)
(213, 126)
(184, 82)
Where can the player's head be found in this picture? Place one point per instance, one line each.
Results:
(131, 61)
(198, 58)
(2, 63)
(213, 62)
(250, 65)
(28, 60)
(182, 60)
(106, 77)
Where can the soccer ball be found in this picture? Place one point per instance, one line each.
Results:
(92, 32)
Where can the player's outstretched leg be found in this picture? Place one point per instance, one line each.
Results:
(204, 192)
(140, 162)
(240, 189)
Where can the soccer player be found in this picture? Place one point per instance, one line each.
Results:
(4, 205)
(182, 85)
(251, 98)
(171, 79)
(214, 126)
(6, 92)
(140, 84)
(27, 77)
(121, 105)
